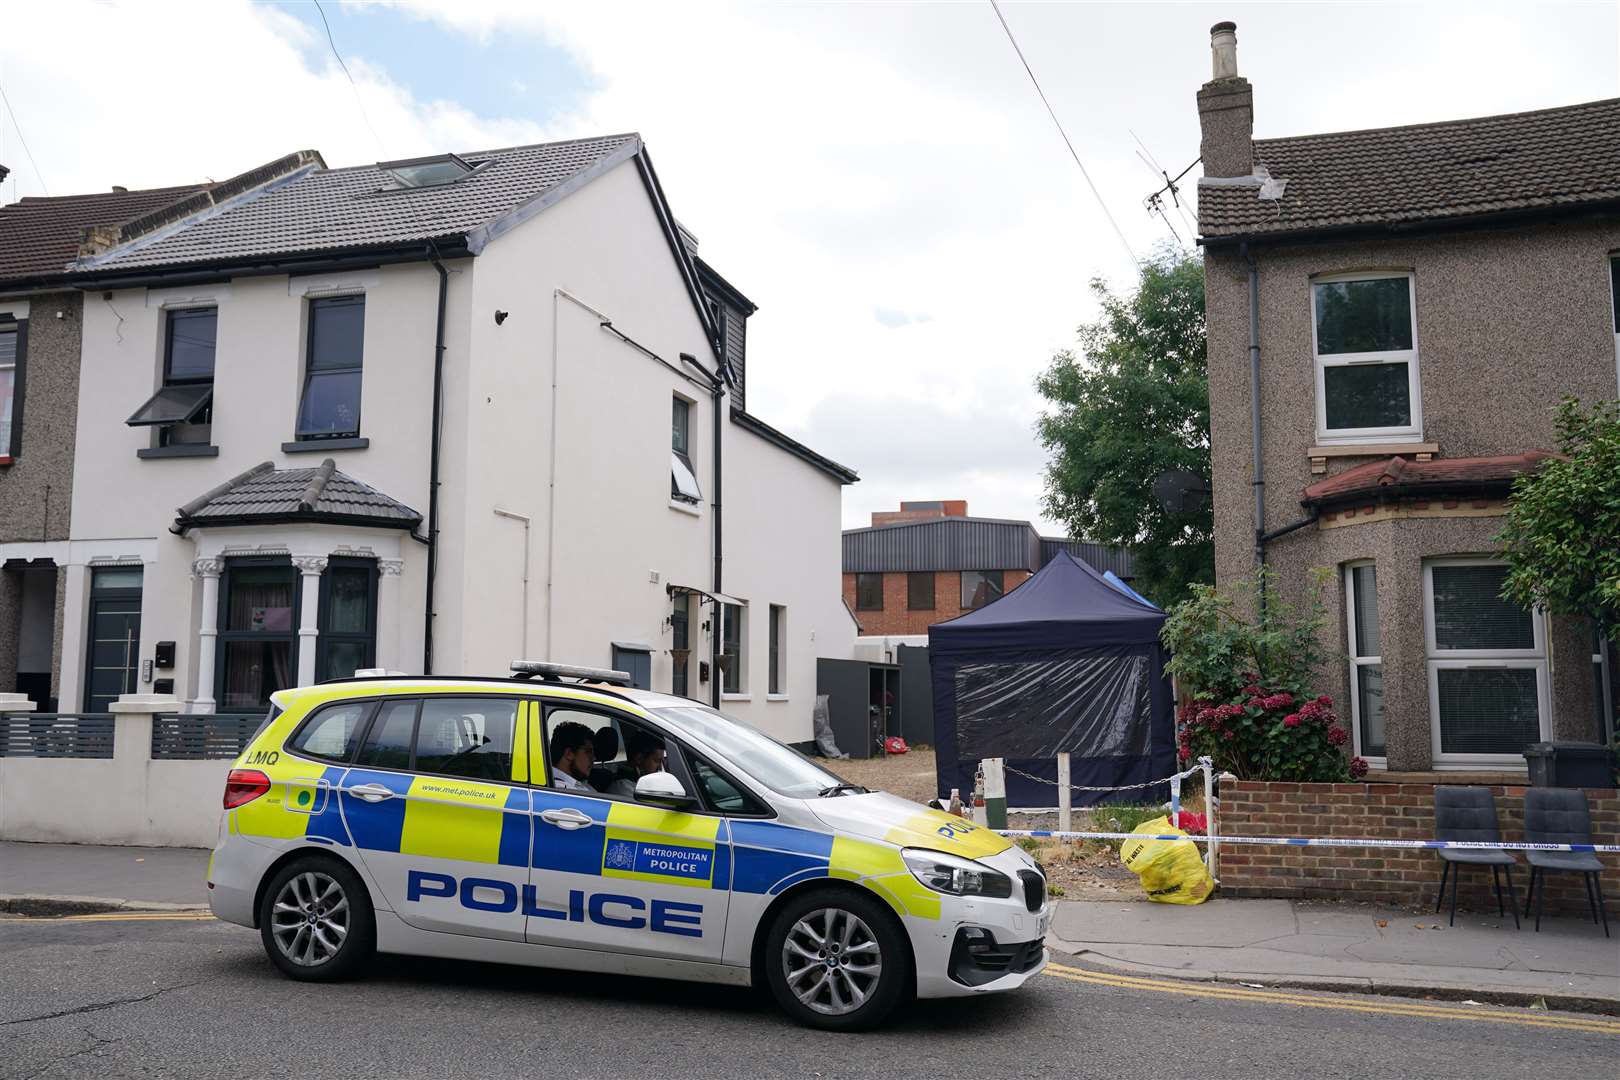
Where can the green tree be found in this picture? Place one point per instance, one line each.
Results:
(1562, 538)
(1132, 404)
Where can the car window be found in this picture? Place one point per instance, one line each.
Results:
(469, 737)
(721, 792)
(762, 758)
(332, 732)
(388, 744)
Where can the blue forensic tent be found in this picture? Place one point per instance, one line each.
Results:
(1064, 662)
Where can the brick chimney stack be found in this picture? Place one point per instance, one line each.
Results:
(921, 511)
(1226, 109)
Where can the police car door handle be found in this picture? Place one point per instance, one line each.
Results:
(566, 818)
(371, 792)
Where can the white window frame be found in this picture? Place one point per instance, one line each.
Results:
(776, 625)
(1326, 436)
(1374, 761)
(1437, 659)
(741, 614)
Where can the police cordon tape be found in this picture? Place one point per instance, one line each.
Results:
(1313, 841)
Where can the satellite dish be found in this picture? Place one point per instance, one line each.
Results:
(1181, 491)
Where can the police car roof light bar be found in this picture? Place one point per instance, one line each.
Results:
(532, 669)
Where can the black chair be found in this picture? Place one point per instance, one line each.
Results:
(1560, 816)
(1469, 814)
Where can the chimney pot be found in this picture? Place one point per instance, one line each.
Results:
(1223, 50)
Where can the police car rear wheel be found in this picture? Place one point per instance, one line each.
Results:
(836, 960)
(316, 921)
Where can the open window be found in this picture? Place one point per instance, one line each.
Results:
(182, 410)
(432, 171)
(683, 484)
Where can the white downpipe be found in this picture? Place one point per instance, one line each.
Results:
(527, 521)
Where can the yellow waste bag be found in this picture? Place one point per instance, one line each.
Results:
(1172, 871)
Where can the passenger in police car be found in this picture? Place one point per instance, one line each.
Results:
(646, 753)
(572, 755)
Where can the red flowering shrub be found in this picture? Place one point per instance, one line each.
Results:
(1251, 709)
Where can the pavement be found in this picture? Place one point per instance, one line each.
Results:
(1348, 947)
(1269, 943)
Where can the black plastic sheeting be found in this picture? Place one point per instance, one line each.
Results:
(1087, 703)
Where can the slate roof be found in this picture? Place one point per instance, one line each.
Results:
(1566, 157)
(39, 236)
(267, 495)
(361, 207)
(1397, 477)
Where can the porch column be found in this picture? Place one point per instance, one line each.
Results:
(311, 567)
(388, 575)
(207, 632)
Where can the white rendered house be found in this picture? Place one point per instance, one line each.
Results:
(262, 370)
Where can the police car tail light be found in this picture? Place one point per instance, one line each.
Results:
(243, 786)
(955, 875)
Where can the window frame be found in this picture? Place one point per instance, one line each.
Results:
(204, 414)
(860, 603)
(680, 449)
(11, 449)
(1380, 759)
(324, 636)
(1327, 436)
(1437, 660)
(312, 304)
(776, 670)
(728, 612)
(985, 574)
(224, 636)
(914, 576)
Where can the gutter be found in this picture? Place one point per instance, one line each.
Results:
(433, 463)
(320, 262)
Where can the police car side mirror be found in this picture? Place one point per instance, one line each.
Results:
(662, 789)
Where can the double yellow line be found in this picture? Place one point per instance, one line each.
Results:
(1593, 1024)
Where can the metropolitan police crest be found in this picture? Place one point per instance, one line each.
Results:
(621, 855)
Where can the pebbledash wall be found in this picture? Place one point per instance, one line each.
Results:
(1386, 811)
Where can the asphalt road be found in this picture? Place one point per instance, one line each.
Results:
(158, 998)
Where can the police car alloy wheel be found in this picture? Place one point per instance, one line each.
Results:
(316, 920)
(837, 960)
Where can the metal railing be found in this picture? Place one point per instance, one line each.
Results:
(56, 735)
(202, 736)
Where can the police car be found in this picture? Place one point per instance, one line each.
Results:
(562, 819)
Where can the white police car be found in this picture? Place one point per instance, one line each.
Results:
(593, 827)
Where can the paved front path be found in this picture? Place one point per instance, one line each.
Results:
(1352, 946)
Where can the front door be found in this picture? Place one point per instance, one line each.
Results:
(621, 876)
(112, 663)
(438, 816)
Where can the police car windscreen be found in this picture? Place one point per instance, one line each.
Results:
(740, 746)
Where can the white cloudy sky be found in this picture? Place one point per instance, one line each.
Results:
(879, 178)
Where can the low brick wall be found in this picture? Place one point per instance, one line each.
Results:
(1384, 875)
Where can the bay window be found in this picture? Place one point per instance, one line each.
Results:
(258, 631)
(348, 618)
(1364, 338)
(1487, 665)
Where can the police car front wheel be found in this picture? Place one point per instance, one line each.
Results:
(316, 920)
(836, 960)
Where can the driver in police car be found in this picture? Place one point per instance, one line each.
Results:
(572, 755)
(646, 755)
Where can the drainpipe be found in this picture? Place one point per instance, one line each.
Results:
(1258, 461)
(719, 391)
(526, 522)
(433, 464)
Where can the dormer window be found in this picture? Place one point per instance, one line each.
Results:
(429, 171)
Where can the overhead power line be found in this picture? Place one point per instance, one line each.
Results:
(24, 140)
(1059, 125)
(352, 86)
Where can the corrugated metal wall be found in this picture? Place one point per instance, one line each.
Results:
(968, 544)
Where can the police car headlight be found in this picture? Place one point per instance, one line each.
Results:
(955, 875)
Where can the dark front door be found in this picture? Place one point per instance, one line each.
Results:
(114, 656)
